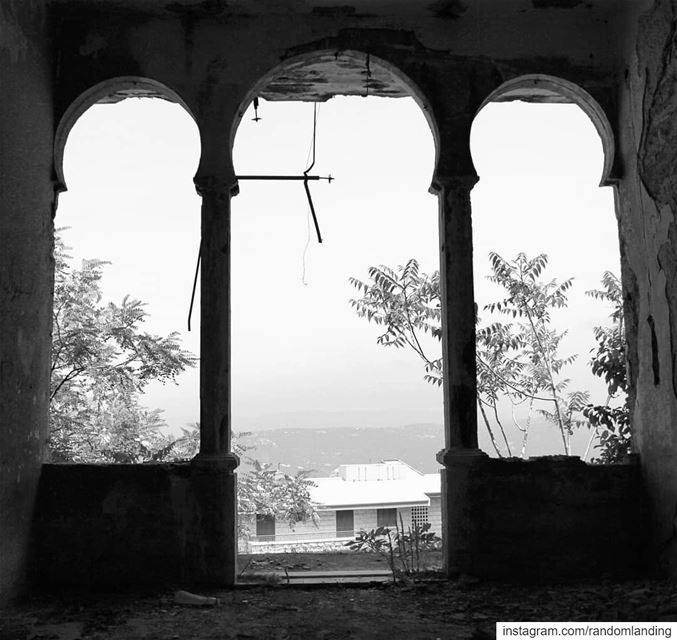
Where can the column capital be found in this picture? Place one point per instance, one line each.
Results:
(460, 455)
(453, 183)
(220, 186)
(223, 461)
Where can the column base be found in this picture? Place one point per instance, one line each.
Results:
(212, 558)
(222, 461)
(455, 455)
(461, 465)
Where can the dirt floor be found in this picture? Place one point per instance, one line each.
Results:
(446, 610)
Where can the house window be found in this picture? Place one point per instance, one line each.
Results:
(265, 527)
(345, 524)
(386, 517)
(419, 516)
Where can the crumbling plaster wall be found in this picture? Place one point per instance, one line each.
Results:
(647, 212)
(213, 54)
(26, 272)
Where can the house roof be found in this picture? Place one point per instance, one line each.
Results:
(389, 484)
(336, 493)
(432, 484)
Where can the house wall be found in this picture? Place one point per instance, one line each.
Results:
(435, 515)
(365, 519)
(26, 273)
(326, 527)
(306, 536)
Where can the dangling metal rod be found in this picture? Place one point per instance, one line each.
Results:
(312, 211)
(305, 178)
(192, 295)
(256, 110)
(307, 171)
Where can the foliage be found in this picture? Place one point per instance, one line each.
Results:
(406, 303)
(266, 491)
(402, 550)
(608, 362)
(515, 360)
(101, 362)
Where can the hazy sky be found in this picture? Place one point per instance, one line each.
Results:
(301, 357)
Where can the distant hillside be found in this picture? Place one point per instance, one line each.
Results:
(322, 450)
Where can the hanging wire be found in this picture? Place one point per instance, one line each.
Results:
(305, 249)
(192, 295)
(310, 211)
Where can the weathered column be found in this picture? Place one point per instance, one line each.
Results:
(213, 479)
(458, 311)
(461, 457)
(215, 436)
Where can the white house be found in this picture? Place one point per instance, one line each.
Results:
(356, 497)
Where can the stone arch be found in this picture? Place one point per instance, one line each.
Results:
(107, 92)
(545, 88)
(323, 73)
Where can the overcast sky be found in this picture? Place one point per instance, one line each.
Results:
(301, 357)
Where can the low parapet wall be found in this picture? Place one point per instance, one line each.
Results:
(113, 525)
(542, 519)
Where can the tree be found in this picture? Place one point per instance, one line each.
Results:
(407, 304)
(261, 490)
(101, 362)
(532, 299)
(518, 361)
(266, 491)
(608, 362)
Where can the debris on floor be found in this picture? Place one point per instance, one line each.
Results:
(194, 600)
(447, 610)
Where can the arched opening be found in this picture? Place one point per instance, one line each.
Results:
(545, 372)
(309, 379)
(127, 237)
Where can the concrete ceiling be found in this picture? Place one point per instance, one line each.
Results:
(327, 75)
